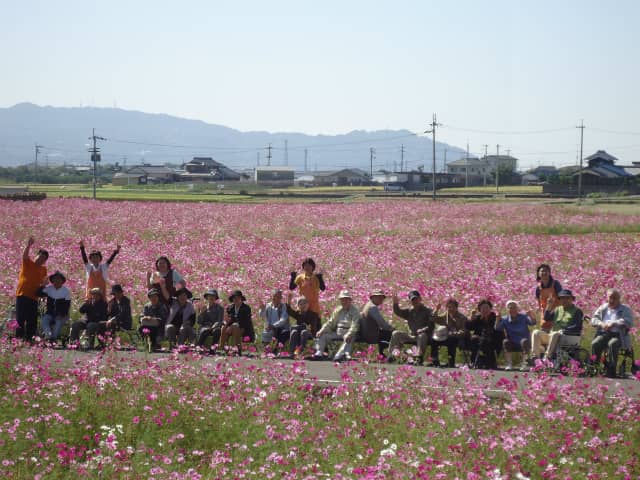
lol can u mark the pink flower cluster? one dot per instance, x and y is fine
(445, 249)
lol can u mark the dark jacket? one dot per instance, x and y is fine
(211, 317)
(121, 312)
(242, 317)
(180, 314)
(56, 307)
(417, 318)
(309, 319)
(95, 312)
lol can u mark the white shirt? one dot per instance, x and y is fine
(62, 293)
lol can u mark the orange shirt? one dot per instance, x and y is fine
(310, 287)
(30, 279)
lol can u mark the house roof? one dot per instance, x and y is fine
(151, 170)
(344, 171)
(128, 175)
(605, 170)
(463, 162)
(601, 154)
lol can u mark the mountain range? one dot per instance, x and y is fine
(131, 137)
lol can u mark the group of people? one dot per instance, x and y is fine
(170, 314)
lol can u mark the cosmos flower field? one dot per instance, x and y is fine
(181, 416)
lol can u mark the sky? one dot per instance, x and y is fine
(518, 74)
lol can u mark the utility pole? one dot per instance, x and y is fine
(402, 158)
(269, 155)
(286, 152)
(306, 153)
(466, 168)
(497, 167)
(434, 125)
(38, 147)
(444, 163)
(487, 164)
(581, 127)
(257, 159)
(372, 153)
(95, 158)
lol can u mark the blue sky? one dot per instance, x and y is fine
(495, 72)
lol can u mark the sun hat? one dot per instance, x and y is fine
(441, 333)
(212, 292)
(566, 293)
(116, 288)
(377, 293)
(184, 290)
(414, 294)
(237, 293)
(344, 294)
(152, 292)
(58, 274)
(509, 302)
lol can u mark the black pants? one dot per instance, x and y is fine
(384, 338)
(205, 333)
(27, 317)
(484, 351)
(451, 343)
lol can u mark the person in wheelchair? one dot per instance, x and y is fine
(613, 321)
(566, 325)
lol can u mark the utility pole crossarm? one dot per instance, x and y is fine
(434, 125)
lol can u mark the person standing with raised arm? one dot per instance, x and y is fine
(96, 271)
(33, 275)
(309, 283)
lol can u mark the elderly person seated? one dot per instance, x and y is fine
(58, 304)
(306, 327)
(420, 322)
(210, 318)
(565, 320)
(449, 332)
(515, 326)
(182, 318)
(276, 320)
(613, 321)
(342, 326)
(374, 329)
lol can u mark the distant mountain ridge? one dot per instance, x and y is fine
(136, 137)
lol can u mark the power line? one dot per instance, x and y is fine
(505, 132)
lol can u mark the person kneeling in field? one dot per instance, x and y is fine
(342, 326)
(238, 323)
(452, 335)
(153, 319)
(58, 303)
(566, 325)
(306, 327)
(95, 311)
(515, 326)
(613, 321)
(210, 318)
(420, 321)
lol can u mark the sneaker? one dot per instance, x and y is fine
(509, 367)
(524, 367)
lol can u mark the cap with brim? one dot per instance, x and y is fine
(237, 293)
(57, 274)
(566, 293)
(212, 292)
(184, 290)
(377, 293)
(512, 302)
(152, 292)
(414, 294)
(95, 290)
(344, 294)
(116, 289)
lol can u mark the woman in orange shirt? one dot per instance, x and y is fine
(310, 284)
(33, 275)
